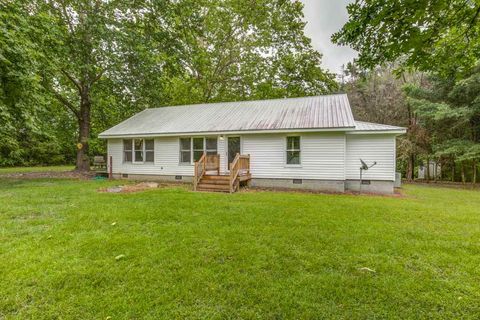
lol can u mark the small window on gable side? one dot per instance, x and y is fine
(293, 150)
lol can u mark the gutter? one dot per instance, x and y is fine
(203, 133)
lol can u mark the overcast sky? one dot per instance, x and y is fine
(325, 17)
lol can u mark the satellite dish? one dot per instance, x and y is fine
(364, 165)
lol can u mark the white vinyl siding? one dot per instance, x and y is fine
(223, 154)
(371, 148)
(322, 156)
(166, 159)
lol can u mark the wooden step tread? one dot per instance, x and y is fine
(212, 190)
(211, 177)
(213, 186)
(214, 181)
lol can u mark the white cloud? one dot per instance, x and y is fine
(325, 17)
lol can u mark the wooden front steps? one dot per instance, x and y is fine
(218, 183)
(203, 180)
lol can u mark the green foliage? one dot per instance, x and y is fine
(64, 63)
(450, 110)
(440, 35)
(25, 138)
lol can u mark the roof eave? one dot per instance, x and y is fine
(203, 133)
(392, 131)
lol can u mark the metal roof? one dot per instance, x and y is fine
(320, 112)
(370, 126)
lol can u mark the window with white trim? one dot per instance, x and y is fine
(149, 150)
(138, 155)
(127, 150)
(293, 150)
(198, 148)
(192, 149)
(185, 150)
(139, 150)
(211, 145)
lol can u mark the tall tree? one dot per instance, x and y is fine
(24, 138)
(102, 61)
(438, 35)
(231, 50)
(451, 111)
(88, 38)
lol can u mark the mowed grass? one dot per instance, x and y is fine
(9, 170)
(250, 255)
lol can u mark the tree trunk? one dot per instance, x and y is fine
(410, 168)
(83, 162)
(427, 172)
(474, 178)
(462, 167)
(453, 171)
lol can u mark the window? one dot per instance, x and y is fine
(211, 146)
(198, 148)
(138, 150)
(127, 150)
(149, 150)
(185, 150)
(192, 149)
(293, 150)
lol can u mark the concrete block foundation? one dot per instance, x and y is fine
(149, 177)
(300, 184)
(370, 186)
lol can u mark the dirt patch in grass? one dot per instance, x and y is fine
(142, 186)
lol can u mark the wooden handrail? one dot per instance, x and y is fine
(199, 171)
(239, 164)
(206, 163)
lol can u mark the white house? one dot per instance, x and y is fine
(307, 143)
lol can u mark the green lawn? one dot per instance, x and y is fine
(250, 255)
(10, 170)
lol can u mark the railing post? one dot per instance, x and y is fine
(110, 171)
(194, 176)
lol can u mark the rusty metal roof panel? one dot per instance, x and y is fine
(319, 112)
